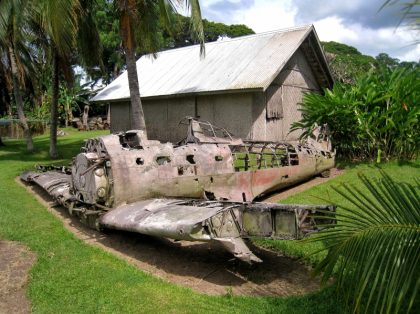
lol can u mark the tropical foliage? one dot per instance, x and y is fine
(17, 60)
(346, 62)
(179, 35)
(42, 39)
(410, 11)
(377, 117)
(139, 21)
(374, 249)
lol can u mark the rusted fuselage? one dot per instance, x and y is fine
(125, 181)
(125, 168)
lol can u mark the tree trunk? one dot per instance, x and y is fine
(19, 101)
(85, 118)
(54, 107)
(136, 108)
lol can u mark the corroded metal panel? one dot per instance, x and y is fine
(245, 63)
(201, 189)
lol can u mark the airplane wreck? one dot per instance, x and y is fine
(200, 189)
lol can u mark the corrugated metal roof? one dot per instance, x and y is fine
(249, 62)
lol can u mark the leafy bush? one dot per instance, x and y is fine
(378, 116)
(374, 249)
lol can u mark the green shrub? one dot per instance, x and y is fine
(377, 117)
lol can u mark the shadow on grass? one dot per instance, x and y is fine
(209, 267)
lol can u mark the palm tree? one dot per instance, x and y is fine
(138, 27)
(410, 11)
(14, 18)
(374, 249)
(68, 25)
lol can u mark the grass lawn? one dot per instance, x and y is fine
(73, 277)
(323, 194)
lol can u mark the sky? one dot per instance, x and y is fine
(353, 22)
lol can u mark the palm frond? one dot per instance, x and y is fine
(374, 249)
(167, 10)
(59, 19)
(197, 27)
(88, 40)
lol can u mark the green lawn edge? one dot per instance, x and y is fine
(71, 276)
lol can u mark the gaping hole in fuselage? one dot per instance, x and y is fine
(209, 195)
(163, 160)
(190, 159)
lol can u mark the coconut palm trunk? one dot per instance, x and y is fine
(18, 100)
(136, 108)
(54, 107)
(138, 28)
(128, 9)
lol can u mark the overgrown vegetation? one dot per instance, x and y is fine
(373, 250)
(388, 216)
(377, 117)
(346, 62)
(47, 40)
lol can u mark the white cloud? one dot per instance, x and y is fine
(411, 55)
(333, 29)
(267, 15)
(396, 42)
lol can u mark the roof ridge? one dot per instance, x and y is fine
(278, 31)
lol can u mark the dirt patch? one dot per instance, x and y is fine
(278, 196)
(15, 262)
(203, 267)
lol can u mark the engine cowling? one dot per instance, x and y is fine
(89, 178)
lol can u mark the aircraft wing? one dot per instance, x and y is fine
(191, 219)
(222, 221)
(55, 183)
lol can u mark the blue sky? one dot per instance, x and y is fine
(354, 22)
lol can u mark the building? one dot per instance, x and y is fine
(250, 85)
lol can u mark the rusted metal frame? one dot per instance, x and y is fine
(261, 146)
(255, 205)
(287, 207)
(288, 156)
(235, 219)
(259, 157)
(249, 145)
(275, 227)
(275, 153)
(208, 222)
(247, 157)
(212, 127)
(45, 168)
(94, 165)
(218, 142)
